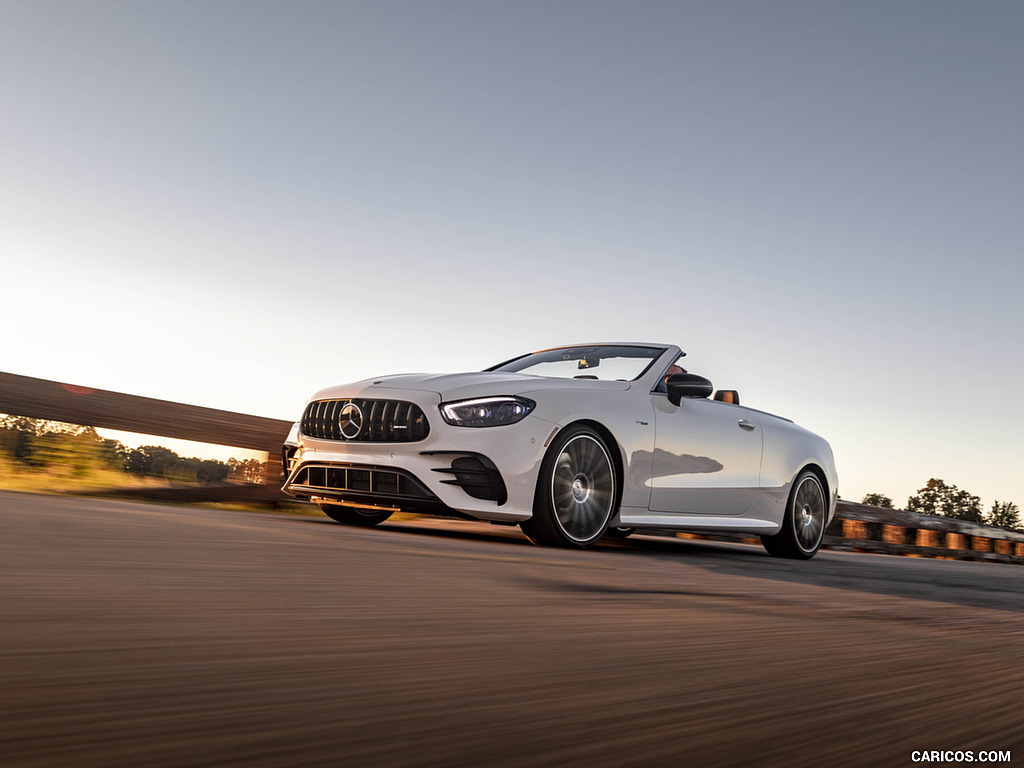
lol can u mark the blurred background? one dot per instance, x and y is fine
(236, 204)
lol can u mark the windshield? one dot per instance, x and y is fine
(605, 363)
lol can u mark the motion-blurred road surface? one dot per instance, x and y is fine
(148, 635)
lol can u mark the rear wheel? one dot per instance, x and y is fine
(576, 491)
(355, 515)
(804, 523)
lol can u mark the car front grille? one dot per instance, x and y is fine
(380, 421)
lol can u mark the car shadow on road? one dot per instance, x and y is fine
(977, 585)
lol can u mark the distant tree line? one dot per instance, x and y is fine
(157, 461)
(37, 444)
(946, 500)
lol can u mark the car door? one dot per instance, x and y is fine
(707, 457)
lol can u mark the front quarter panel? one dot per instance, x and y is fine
(626, 415)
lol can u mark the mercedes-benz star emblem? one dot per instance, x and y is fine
(350, 421)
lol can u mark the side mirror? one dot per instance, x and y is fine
(680, 385)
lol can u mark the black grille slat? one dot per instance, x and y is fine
(387, 420)
(418, 424)
(321, 417)
(375, 431)
(384, 421)
(402, 418)
(333, 420)
(330, 416)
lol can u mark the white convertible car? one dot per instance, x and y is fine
(571, 444)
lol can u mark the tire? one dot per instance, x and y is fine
(804, 523)
(576, 491)
(354, 515)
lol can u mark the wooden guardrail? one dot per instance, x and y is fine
(897, 532)
(43, 399)
(857, 527)
(865, 528)
(56, 401)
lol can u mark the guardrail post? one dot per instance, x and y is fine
(927, 538)
(855, 529)
(894, 534)
(981, 544)
(273, 471)
(1004, 547)
(956, 541)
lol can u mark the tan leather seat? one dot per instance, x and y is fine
(728, 396)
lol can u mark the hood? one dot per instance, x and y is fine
(459, 386)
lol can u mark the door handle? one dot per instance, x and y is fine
(747, 425)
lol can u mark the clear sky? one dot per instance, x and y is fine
(235, 204)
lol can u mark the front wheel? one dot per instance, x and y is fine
(354, 515)
(804, 523)
(576, 491)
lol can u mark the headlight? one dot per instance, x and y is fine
(487, 411)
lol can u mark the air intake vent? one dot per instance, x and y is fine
(377, 421)
(359, 480)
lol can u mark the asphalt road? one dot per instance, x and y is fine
(148, 635)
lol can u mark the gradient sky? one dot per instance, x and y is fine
(235, 204)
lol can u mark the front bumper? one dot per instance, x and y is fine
(485, 473)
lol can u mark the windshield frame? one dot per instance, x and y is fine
(654, 351)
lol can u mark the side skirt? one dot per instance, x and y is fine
(697, 523)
